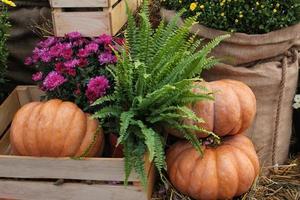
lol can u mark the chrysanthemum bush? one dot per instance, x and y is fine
(74, 68)
(252, 17)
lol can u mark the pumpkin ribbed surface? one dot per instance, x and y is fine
(232, 111)
(223, 172)
(55, 129)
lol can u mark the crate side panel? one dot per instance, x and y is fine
(7, 111)
(5, 147)
(24, 190)
(78, 3)
(87, 23)
(119, 15)
(100, 169)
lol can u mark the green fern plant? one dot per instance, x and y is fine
(154, 79)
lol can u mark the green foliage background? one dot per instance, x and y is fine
(247, 16)
(4, 26)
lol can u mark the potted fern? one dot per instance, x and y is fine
(154, 78)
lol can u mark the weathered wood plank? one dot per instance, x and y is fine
(5, 144)
(101, 169)
(24, 190)
(119, 15)
(78, 3)
(87, 23)
(7, 110)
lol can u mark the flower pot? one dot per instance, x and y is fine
(116, 151)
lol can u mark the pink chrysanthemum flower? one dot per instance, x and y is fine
(92, 47)
(104, 39)
(96, 88)
(74, 35)
(37, 76)
(53, 80)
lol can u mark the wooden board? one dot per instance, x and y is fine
(119, 15)
(48, 191)
(79, 3)
(101, 169)
(7, 111)
(87, 23)
(25, 178)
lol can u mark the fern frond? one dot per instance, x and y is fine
(107, 98)
(108, 111)
(125, 119)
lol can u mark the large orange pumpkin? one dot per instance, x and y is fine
(231, 112)
(223, 172)
(55, 129)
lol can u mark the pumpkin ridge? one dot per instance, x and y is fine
(191, 172)
(77, 113)
(235, 152)
(235, 131)
(36, 112)
(67, 135)
(83, 148)
(52, 127)
(249, 155)
(42, 144)
(177, 169)
(16, 127)
(59, 110)
(25, 132)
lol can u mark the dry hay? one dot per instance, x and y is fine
(282, 183)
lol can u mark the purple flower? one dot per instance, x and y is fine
(45, 57)
(37, 76)
(96, 88)
(107, 58)
(71, 63)
(83, 53)
(28, 61)
(67, 53)
(47, 43)
(104, 39)
(92, 47)
(53, 80)
(74, 35)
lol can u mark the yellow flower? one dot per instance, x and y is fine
(257, 3)
(202, 6)
(193, 6)
(277, 5)
(241, 15)
(236, 20)
(222, 14)
(9, 2)
(275, 11)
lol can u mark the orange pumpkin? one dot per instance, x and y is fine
(223, 172)
(55, 129)
(231, 112)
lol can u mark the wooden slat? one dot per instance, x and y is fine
(101, 169)
(78, 3)
(5, 144)
(7, 110)
(28, 94)
(24, 190)
(113, 2)
(88, 23)
(119, 15)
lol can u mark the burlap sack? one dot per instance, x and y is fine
(274, 83)
(22, 39)
(242, 48)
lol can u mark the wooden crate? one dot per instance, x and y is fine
(34, 177)
(90, 17)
